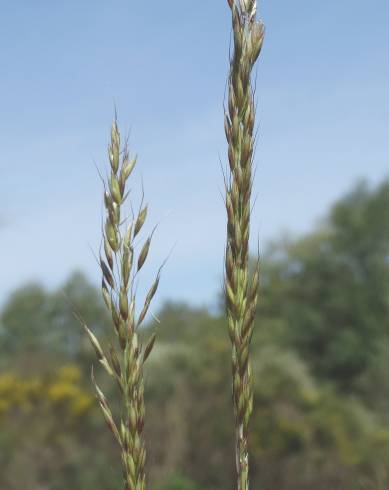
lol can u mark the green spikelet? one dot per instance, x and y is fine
(125, 362)
(240, 291)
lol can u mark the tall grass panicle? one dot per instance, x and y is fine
(120, 268)
(240, 288)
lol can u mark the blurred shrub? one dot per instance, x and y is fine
(61, 392)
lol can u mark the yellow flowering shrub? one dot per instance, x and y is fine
(63, 390)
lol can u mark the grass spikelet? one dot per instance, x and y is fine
(240, 289)
(124, 363)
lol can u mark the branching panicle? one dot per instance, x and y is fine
(240, 289)
(118, 271)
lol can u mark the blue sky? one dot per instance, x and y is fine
(323, 112)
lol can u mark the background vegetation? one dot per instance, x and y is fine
(320, 359)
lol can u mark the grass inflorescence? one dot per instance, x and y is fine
(120, 265)
(241, 289)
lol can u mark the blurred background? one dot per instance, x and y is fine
(321, 344)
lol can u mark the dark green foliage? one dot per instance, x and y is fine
(330, 288)
(24, 318)
(34, 318)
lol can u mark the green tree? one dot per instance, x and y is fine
(330, 288)
(24, 319)
(35, 320)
